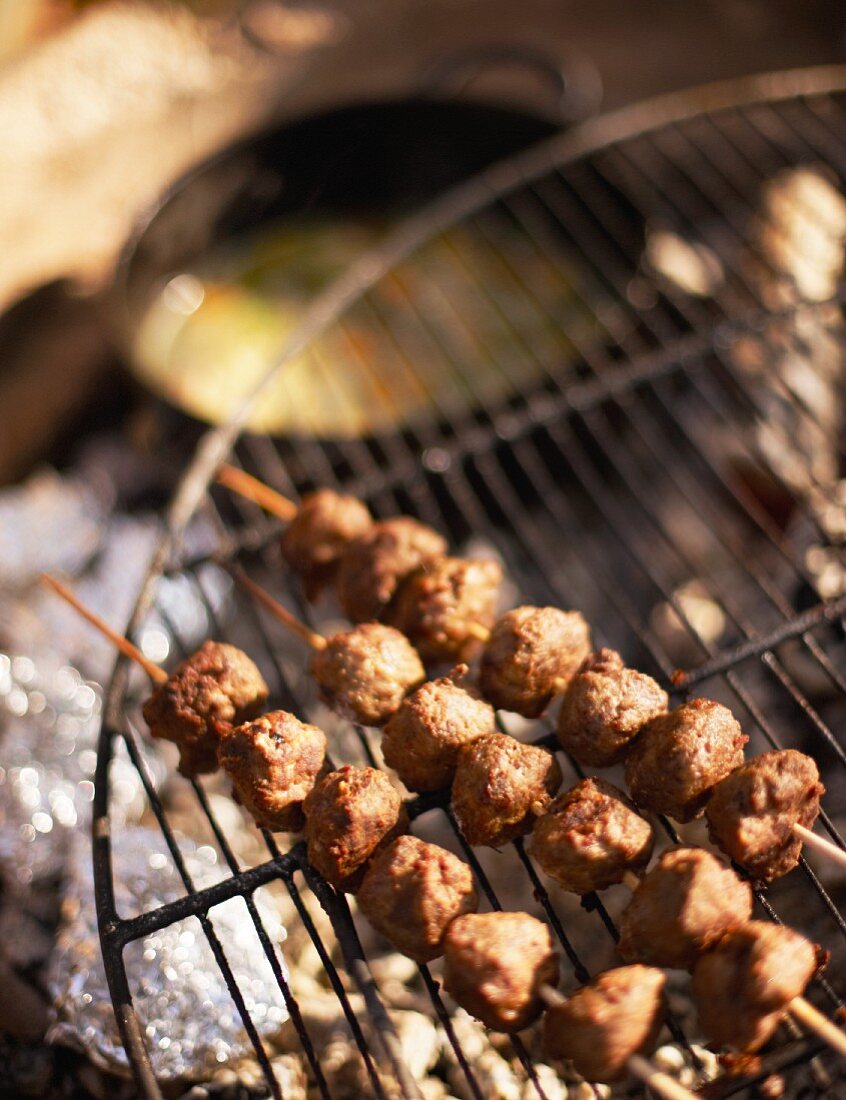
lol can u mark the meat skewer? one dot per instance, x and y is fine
(412, 892)
(500, 787)
(607, 1026)
(605, 707)
(215, 689)
(752, 978)
(374, 565)
(351, 814)
(761, 813)
(682, 905)
(691, 912)
(495, 965)
(447, 605)
(332, 536)
(274, 762)
(156, 673)
(318, 530)
(679, 757)
(363, 673)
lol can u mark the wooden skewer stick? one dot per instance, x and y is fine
(659, 1082)
(310, 637)
(820, 844)
(154, 671)
(801, 1009)
(479, 632)
(816, 1021)
(551, 996)
(631, 881)
(250, 487)
(639, 1067)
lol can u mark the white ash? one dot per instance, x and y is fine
(186, 1011)
(47, 524)
(49, 723)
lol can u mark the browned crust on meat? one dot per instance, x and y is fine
(751, 813)
(599, 1028)
(373, 565)
(500, 787)
(530, 657)
(686, 902)
(273, 762)
(590, 836)
(318, 535)
(439, 606)
(495, 964)
(743, 986)
(351, 814)
(214, 689)
(605, 708)
(365, 673)
(421, 741)
(412, 892)
(679, 757)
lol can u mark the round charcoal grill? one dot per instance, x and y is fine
(659, 458)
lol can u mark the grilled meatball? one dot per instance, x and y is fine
(500, 787)
(679, 757)
(373, 565)
(324, 526)
(273, 763)
(216, 688)
(605, 708)
(683, 905)
(350, 815)
(530, 656)
(590, 836)
(421, 741)
(365, 673)
(495, 964)
(743, 987)
(751, 813)
(412, 892)
(603, 1024)
(441, 604)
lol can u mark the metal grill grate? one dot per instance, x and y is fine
(601, 428)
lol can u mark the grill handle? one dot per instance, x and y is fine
(574, 86)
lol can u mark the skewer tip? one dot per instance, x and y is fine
(245, 485)
(819, 1024)
(660, 1083)
(156, 673)
(825, 848)
(310, 637)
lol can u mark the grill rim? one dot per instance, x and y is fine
(462, 201)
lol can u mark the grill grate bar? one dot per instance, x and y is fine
(337, 986)
(347, 943)
(291, 1004)
(593, 902)
(571, 477)
(446, 1023)
(814, 650)
(130, 740)
(634, 175)
(340, 919)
